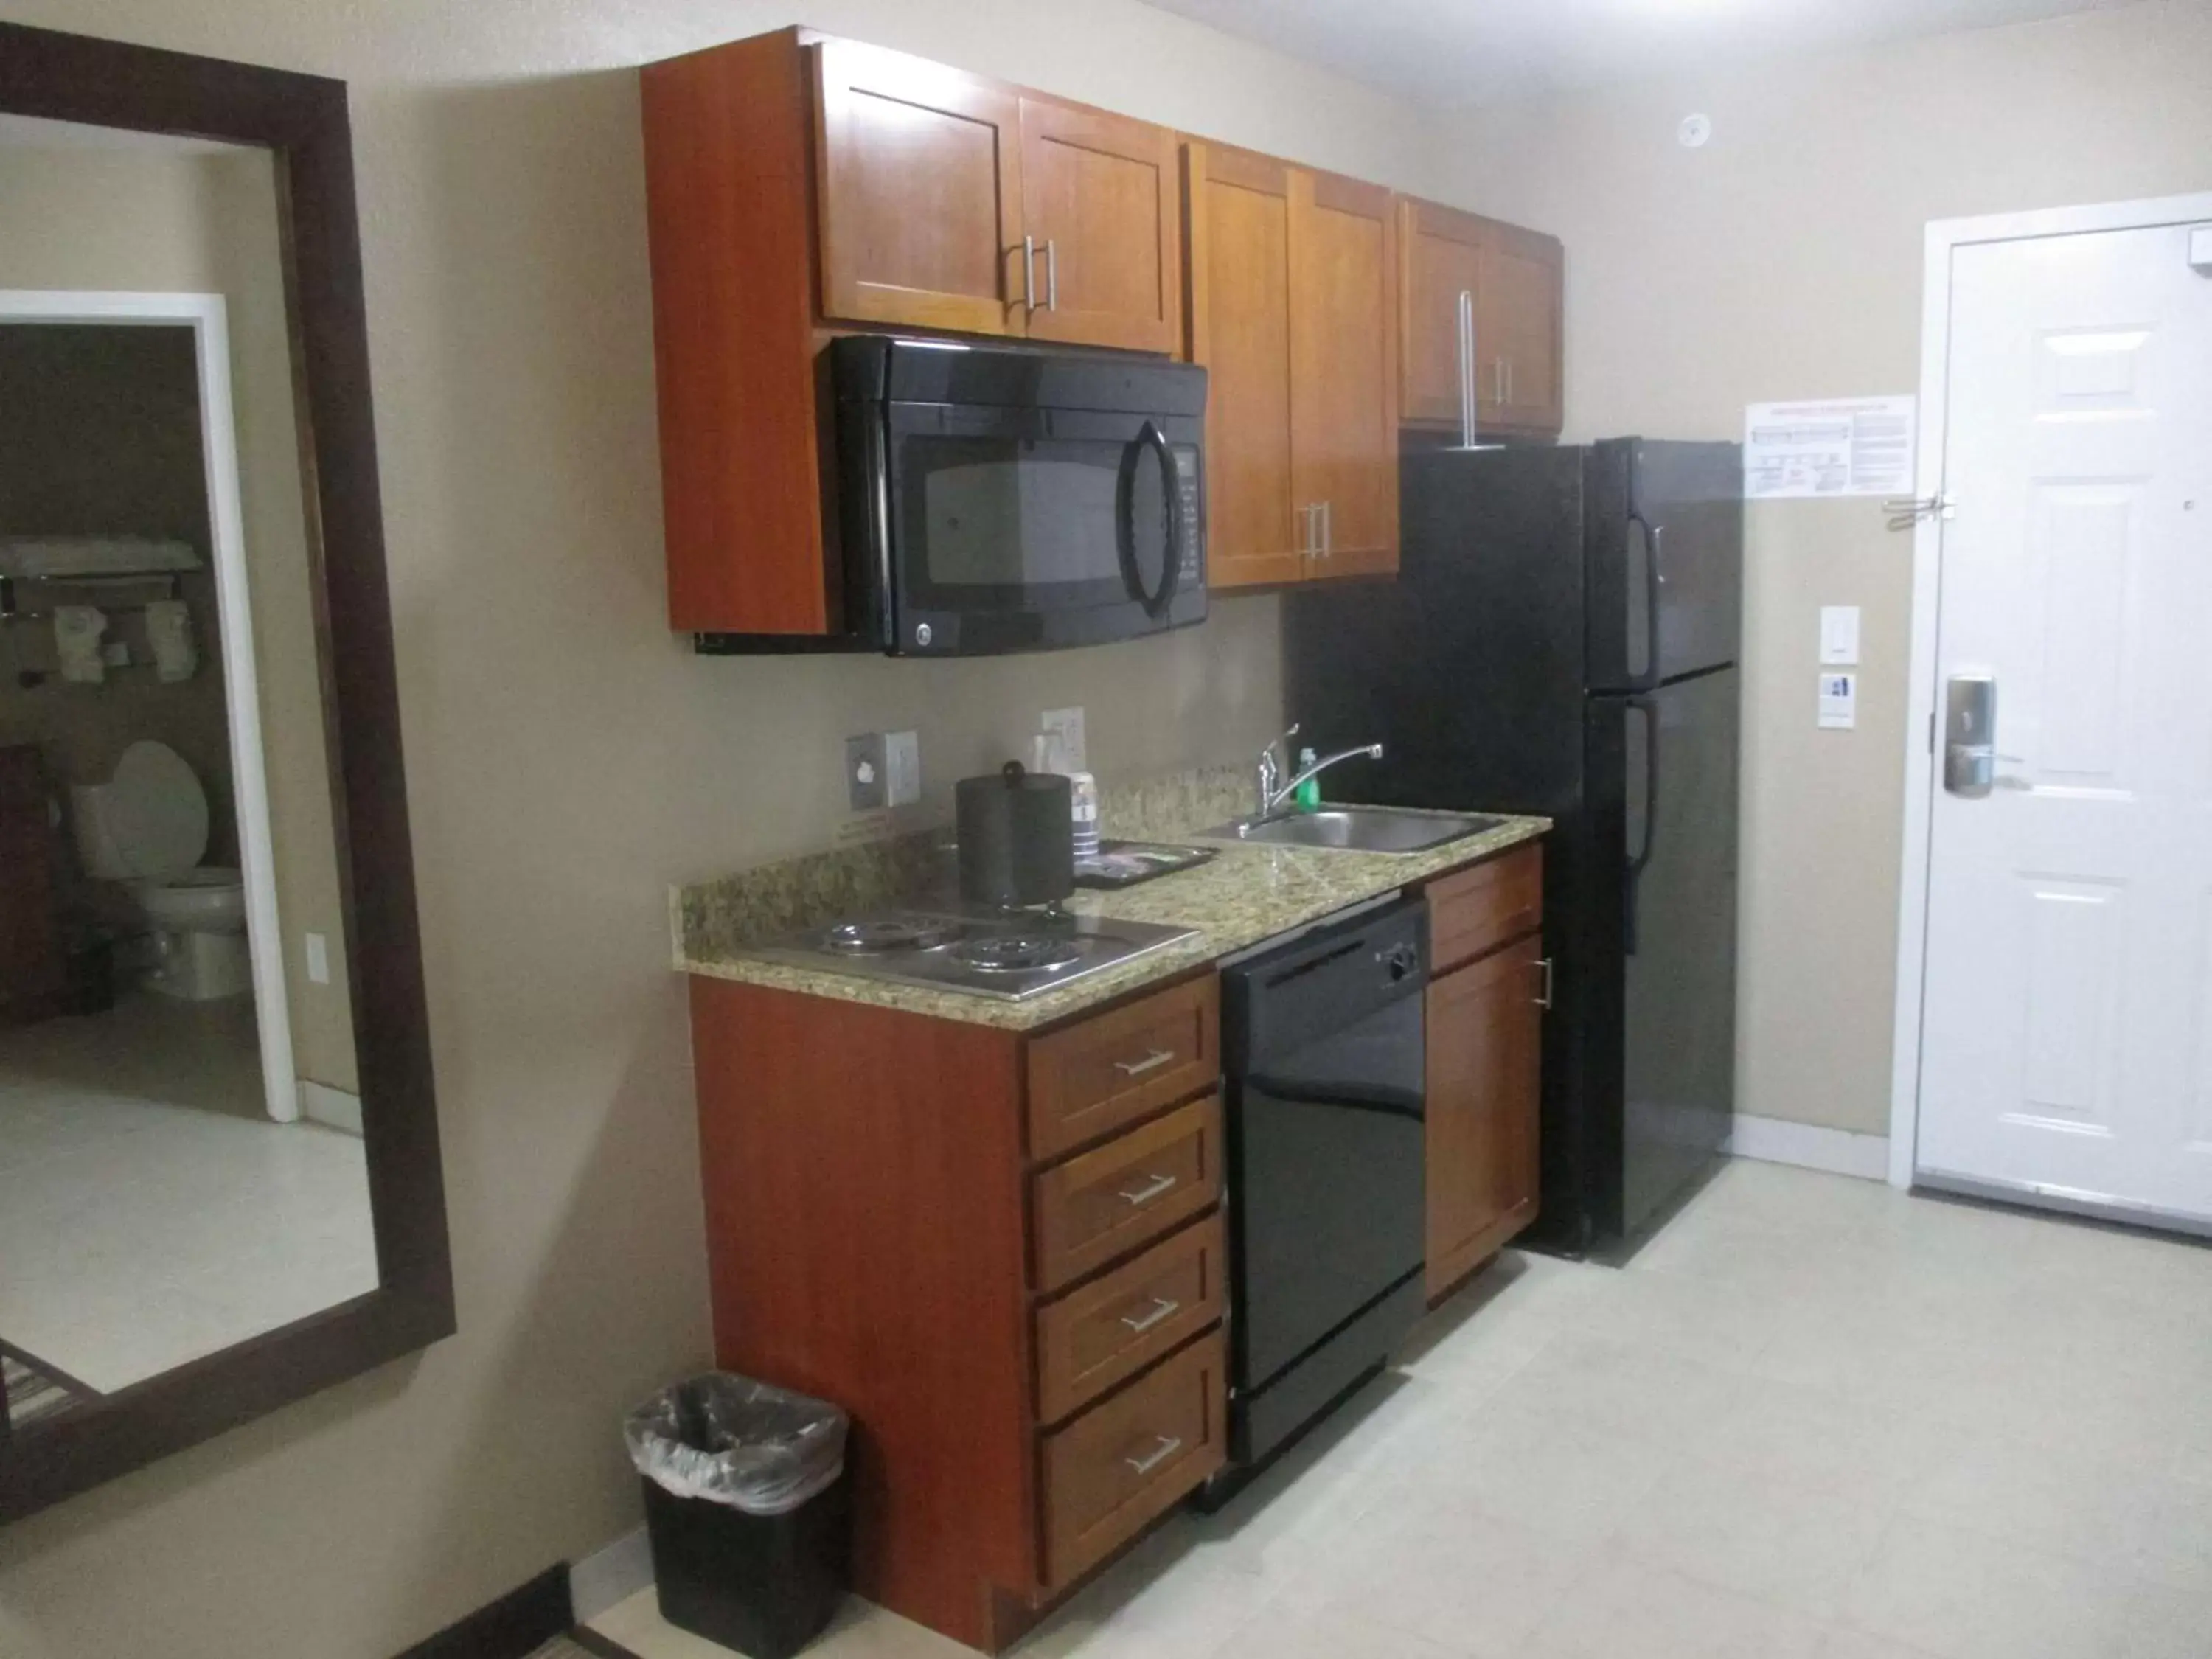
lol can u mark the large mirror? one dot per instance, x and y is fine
(219, 1184)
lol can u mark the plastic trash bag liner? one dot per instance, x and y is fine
(732, 1441)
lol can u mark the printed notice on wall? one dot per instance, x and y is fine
(1843, 447)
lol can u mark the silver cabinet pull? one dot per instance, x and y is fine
(1029, 273)
(1164, 1308)
(1051, 274)
(1328, 528)
(1544, 996)
(1468, 397)
(1151, 1062)
(1509, 380)
(1159, 1187)
(1169, 1445)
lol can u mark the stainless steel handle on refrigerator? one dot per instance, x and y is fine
(1469, 413)
(1970, 735)
(1051, 274)
(1151, 1062)
(1164, 1308)
(1029, 273)
(1169, 1445)
(1544, 966)
(1159, 1187)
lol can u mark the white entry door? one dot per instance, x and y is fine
(2067, 1014)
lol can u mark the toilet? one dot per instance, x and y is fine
(147, 827)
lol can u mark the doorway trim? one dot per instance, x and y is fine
(1943, 238)
(207, 316)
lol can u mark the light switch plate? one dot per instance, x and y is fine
(1839, 635)
(864, 765)
(319, 958)
(902, 767)
(1066, 724)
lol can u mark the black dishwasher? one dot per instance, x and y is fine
(1323, 1049)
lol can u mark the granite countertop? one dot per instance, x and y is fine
(1247, 895)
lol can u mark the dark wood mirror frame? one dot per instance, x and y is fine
(302, 120)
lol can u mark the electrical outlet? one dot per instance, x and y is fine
(1066, 725)
(865, 767)
(902, 768)
(319, 958)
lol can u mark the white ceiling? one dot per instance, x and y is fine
(1466, 51)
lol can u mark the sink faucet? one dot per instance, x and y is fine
(1274, 761)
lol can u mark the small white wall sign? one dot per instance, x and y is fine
(1839, 701)
(1839, 635)
(1841, 446)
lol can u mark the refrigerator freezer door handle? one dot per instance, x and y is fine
(1642, 856)
(1653, 578)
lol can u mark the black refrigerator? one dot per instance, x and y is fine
(1562, 638)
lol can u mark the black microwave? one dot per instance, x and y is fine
(994, 499)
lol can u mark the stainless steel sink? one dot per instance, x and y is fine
(1357, 829)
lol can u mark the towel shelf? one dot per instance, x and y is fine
(12, 608)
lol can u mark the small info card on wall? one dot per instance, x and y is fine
(1839, 446)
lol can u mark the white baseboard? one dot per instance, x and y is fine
(610, 1576)
(1777, 1140)
(334, 1108)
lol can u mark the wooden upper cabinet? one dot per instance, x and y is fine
(1103, 235)
(1515, 278)
(1343, 372)
(1239, 234)
(920, 192)
(1293, 314)
(1520, 328)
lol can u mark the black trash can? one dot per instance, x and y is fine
(747, 1510)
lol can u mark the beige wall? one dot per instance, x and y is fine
(568, 759)
(204, 223)
(1783, 261)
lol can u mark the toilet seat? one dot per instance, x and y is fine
(147, 823)
(207, 899)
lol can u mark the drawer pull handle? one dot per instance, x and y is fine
(1544, 997)
(1170, 1444)
(1163, 1308)
(1151, 1062)
(1159, 1187)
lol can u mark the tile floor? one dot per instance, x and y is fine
(1813, 1419)
(150, 1212)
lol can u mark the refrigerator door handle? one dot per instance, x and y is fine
(1653, 578)
(1642, 857)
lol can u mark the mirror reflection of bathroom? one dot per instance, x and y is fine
(181, 1151)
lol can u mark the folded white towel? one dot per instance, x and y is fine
(78, 628)
(169, 630)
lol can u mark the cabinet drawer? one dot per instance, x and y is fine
(1124, 1195)
(1117, 1325)
(1117, 1467)
(1090, 1080)
(1481, 908)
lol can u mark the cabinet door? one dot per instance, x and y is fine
(1099, 205)
(1343, 372)
(1519, 312)
(1485, 1047)
(920, 192)
(1239, 229)
(1440, 255)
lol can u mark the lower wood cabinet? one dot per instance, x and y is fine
(1001, 1253)
(31, 969)
(1484, 1065)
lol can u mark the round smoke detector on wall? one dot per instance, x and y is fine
(1694, 132)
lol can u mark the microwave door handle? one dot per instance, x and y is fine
(1150, 438)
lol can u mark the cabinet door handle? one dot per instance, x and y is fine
(1509, 380)
(1163, 1308)
(1309, 525)
(1169, 1445)
(1159, 1187)
(1051, 274)
(1328, 528)
(1151, 1062)
(1544, 996)
(1029, 273)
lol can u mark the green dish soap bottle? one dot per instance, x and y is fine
(1307, 795)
